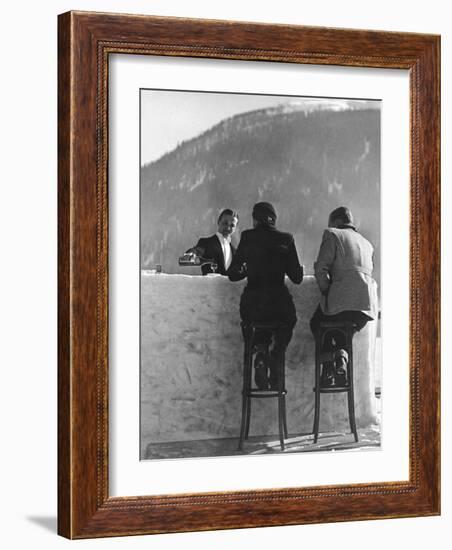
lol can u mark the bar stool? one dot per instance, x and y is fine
(347, 329)
(249, 392)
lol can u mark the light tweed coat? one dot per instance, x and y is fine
(344, 273)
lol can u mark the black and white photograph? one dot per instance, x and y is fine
(260, 274)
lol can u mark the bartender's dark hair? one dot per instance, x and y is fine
(228, 212)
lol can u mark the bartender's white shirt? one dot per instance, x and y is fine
(226, 247)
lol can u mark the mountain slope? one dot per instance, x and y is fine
(306, 161)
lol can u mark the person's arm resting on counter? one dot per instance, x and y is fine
(325, 260)
(237, 269)
(294, 269)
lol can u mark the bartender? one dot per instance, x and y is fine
(216, 252)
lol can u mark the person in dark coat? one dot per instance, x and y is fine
(218, 247)
(265, 256)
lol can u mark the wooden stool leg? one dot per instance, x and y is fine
(248, 418)
(351, 393)
(317, 393)
(351, 413)
(281, 420)
(244, 409)
(286, 433)
(281, 402)
(242, 425)
(283, 389)
(249, 382)
(245, 389)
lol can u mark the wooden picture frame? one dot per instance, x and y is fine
(85, 42)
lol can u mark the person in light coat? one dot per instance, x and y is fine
(343, 271)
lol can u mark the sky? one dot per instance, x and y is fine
(169, 117)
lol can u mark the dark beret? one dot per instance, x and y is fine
(264, 212)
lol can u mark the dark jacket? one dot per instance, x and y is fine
(211, 250)
(265, 255)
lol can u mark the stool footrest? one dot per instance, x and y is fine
(333, 389)
(266, 393)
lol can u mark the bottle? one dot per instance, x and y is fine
(191, 258)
